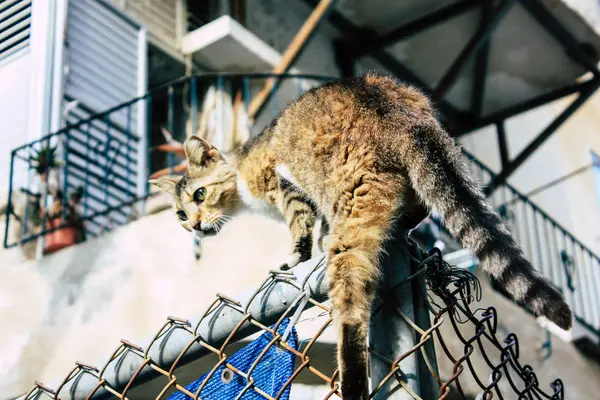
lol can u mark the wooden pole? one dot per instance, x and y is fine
(291, 53)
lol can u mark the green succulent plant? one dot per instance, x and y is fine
(45, 159)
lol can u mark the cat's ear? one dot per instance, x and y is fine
(199, 152)
(166, 183)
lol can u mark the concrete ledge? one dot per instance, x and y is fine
(225, 45)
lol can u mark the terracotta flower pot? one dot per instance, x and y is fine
(60, 238)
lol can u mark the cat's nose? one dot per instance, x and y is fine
(198, 226)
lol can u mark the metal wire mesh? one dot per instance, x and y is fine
(451, 293)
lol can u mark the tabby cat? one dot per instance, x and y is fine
(364, 153)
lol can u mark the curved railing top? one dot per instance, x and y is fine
(177, 81)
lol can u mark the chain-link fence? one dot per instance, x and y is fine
(282, 302)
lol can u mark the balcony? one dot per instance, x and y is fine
(90, 177)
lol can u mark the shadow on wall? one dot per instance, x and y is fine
(78, 303)
(68, 285)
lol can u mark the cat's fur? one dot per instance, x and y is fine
(365, 153)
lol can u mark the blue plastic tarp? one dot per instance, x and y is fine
(270, 375)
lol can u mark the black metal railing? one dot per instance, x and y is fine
(78, 181)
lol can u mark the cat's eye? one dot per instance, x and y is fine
(200, 195)
(182, 215)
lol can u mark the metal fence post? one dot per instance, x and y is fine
(427, 383)
(391, 336)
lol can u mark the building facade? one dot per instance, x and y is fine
(64, 61)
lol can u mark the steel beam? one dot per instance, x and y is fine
(481, 36)
(561, 34)
(508, 170)
(502, 144)
(344, 59)
(414, 27)
(527, 105)
(356, 35)
(481, 65)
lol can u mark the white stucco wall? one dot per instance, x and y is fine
(14, 98)
(26, 90)
(78, 303)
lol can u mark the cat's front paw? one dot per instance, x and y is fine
(290, 262)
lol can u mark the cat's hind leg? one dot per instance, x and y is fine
(362, 222)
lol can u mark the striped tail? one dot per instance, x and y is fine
(441, 179)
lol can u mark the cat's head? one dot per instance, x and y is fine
(207, 195)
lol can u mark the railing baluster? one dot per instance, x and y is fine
(514, 212)
(65, 199)
(107, 121)
(87, 174)
(595, 287)
(128, 145)
(9, 205)
(25, 222)
(565, 265)
(563, 278)
(494, 198)
(148, 143)
(45, 182)
(526, 236)
(247, 92)
(171, 124)
(581, 278)
(570, 248)
(193, 106)
(591, 294)
(538, 245)
(550, 253)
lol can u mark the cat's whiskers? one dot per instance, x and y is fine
(223, 219)
(226, 218)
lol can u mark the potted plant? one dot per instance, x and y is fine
(60, 219)
(66, 222)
